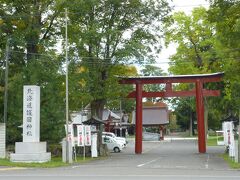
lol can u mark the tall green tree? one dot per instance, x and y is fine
(43, 73)
(225, 15)
(32, 29)
(150, 70)
(105, 33)
(195, 37)
(186, 114)
(31, 26)
(102, 34)
(196, 53)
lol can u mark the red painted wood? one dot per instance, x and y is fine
(172, 79)
(174, 93)
(199, 92)
(200, 117)
(169, 87)
(138, 127)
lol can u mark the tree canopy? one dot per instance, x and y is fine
(207, 43)
(104, 34)
(105, 38)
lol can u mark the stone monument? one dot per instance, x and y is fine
(31, 149)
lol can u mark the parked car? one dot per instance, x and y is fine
(120, 139)
(148, 136)
(112, 144)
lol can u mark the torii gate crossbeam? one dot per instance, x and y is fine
(199, 92)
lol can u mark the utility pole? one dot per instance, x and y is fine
(120, 130)
(6, 82)
(6, 94)
(66, 57)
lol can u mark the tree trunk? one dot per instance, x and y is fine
(97, 107)
(33, 37)
(191, 125)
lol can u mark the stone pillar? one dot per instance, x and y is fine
(31, 149)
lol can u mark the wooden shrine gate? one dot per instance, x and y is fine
(199, 92)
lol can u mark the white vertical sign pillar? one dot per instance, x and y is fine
(31, 149)
(85, 139)
(31, 113)
(80, 135)
(70, 134)
(94, 152)
(87, 135)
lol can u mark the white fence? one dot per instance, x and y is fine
(2, 140)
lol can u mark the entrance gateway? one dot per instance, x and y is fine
(199, 92)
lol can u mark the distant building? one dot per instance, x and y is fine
(154, 115)
(110, 119)
(79, 117)
(116, 122)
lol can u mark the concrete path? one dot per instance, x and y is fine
(175, 159)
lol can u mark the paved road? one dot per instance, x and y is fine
(160, 160)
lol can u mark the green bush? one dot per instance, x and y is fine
(55, 149)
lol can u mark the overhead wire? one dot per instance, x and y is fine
(157, 59)
(107, 59)
(39, 43)
(62, 40)
(169, 60)
(70, 3)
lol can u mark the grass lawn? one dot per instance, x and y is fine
(55, 162)
(231, 162)
(212, 141)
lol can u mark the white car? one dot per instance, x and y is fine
(120, 139)
(112, 144)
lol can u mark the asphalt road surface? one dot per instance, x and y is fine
(166, 160)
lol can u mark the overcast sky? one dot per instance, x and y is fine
(180, 5)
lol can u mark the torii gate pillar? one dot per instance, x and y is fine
(200, 117)
(199, 92)
(138, 127)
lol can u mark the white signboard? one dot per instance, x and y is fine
(31, 113)
(94, 151)
(229, 137)
(87, 135)
(84, 135)
(228, 132)
(80, 135)
(70, 134)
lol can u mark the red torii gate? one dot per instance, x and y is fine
(199, 92)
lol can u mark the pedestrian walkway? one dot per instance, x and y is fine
(5, 168)
(172, 153)
(160, 160)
